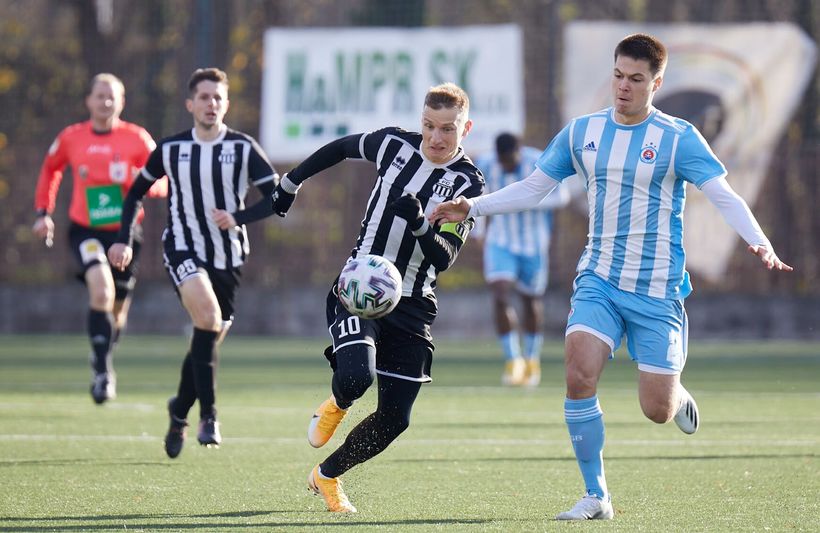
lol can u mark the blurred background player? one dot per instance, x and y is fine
(416, 171)
(632, 278)
(516, 260)
(105, 154)
(210, 168)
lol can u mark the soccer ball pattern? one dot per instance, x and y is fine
(369, 286)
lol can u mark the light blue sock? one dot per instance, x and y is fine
(510, 345)
(585, 422)
(532, 346)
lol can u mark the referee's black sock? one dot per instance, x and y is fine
(100, 329)
(203, 356)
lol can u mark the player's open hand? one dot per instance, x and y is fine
(43, 228)
(223, 219)
(408, 207)
(120, 255)
(769, 258)
(452, 211)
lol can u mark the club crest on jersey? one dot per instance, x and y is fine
(649, 154)
(399, 162)
(443, 190)
(227, 158)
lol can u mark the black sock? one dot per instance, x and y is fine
(375, 433)
(186, 393)
(203, 357)
(100, 329)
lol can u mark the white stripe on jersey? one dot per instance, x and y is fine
(612, 201)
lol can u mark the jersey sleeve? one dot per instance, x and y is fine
(51, 174)
(260, 169)
(694, 160)
(556, 160)
(147, 145)
(154, 167)
(370, 143)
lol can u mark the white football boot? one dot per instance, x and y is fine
(687, 417)
(589, 507)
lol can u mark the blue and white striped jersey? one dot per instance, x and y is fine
(635, 180)
(524, 232)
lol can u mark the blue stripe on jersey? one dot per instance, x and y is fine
(600, 177)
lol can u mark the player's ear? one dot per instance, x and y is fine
(189, 105)
(467, 127)
(657, 83)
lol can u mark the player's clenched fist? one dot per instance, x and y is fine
(284, 195)
(409, 208)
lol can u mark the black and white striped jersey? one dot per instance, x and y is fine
(403, 169)
(202, 176)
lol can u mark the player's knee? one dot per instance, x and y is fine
(658, 412)
(101, 296)
(355, 370)
(393, 423)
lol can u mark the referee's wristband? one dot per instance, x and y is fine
(41, 213)
(422, 230)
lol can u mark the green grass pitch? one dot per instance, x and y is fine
(477, 457)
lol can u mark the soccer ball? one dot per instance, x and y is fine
(369, 286)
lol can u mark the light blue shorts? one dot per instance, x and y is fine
(656, 329)
(529, 272)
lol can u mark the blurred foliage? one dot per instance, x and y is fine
(50, 48)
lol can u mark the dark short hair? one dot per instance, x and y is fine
(211, 74)
(447, 95)
(506, 143)
(643, 46)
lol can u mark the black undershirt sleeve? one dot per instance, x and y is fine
(261, 209)
(130, 207)
(325, 157)
(440, 250)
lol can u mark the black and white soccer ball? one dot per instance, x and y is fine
(369, 286)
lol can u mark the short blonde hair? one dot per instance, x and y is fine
(110, 79)
(448, 95)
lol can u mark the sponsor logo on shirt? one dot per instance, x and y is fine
(399, 162)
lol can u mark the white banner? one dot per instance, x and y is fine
(738, 83)
(321, 84)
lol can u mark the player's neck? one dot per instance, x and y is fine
(208, 133)
(103, 125)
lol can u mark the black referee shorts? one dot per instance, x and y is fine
(90, 247)
(404, 345)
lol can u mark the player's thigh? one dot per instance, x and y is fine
(594, 311)
(657, 333)
(499, 264)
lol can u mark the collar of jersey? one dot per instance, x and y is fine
(222, 131)
(650, 116)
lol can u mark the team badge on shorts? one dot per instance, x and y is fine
(92, 250)
(649, 153)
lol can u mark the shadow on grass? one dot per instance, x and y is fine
(81, 461)
(87, 523)
(544, 459)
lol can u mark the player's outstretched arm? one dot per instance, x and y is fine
(769, 258)
(452, 211)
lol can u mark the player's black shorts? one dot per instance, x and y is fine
(404, 345)
(181, 265)
(90, 246)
